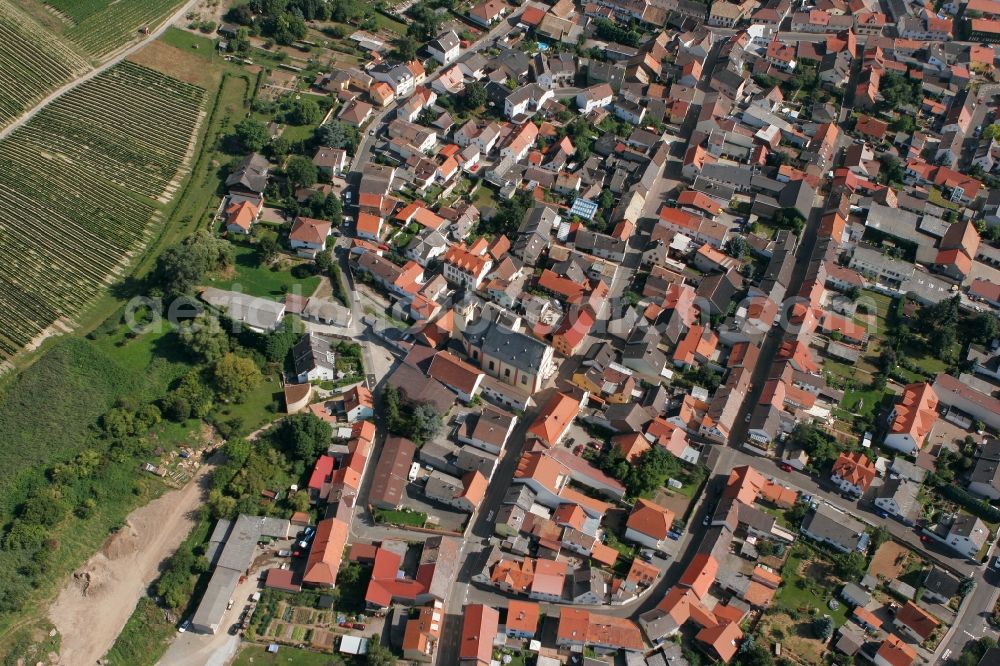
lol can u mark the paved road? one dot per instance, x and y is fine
(971, 621)
(115, 58)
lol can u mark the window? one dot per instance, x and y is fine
(524, 379)
(506, 372)
(492, 365)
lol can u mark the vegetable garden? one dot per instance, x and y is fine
(32, 63)
(101, 26)
(77, 190)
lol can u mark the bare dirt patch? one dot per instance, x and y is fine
(889, 560)
(99, 597)
(180, 64)
(795, 636)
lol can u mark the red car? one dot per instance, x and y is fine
(360, 626)
(785, 467)
(347, 625)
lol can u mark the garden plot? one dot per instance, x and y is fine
(78, 185)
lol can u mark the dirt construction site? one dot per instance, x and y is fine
(98, 599)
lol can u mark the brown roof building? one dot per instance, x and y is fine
(391, 473)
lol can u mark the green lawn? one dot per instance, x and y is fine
(411, 518)
(881, 303)
(936, 198)
(838, 369)
(484, 196)
(862, 402)
(257, 655)
(298, 133)
(258, 409)
(264, 281)
(387, 23)
(189, 41)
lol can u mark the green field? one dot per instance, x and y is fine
(266, 281)
(387, 23)
(45, 415)
(257, 655)
(144, 638)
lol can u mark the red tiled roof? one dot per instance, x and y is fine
(893, 650)
(700, 574)
(650, 519)
(326, 553)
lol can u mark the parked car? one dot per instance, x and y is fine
(184, 626)
(347, 625)
(646, 554)
(785, 467)
(674, 534)
(284, 553)
(360, 626)
(806, 499)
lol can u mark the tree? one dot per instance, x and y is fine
(204, 337)
(280, 146)
(286, 28)
(975, 650)
(180, 267)
(338, 135)
(823, 627)
(966, 586)
(892, 169)
(473, 97)
(303, 111)
(252, 134)
(304, 436)
(301, 172)
(753, 653)
(850, 566)
(879, 536)
(235, 377)
(300, 501)
(983, 328)
(195, 393)
(406, 48)
(240, 44)
(737, 246)
(324, 260)
(378, 654)
(267, 249)
(425, 422)
(220, 505)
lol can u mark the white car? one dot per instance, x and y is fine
(184, 626)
